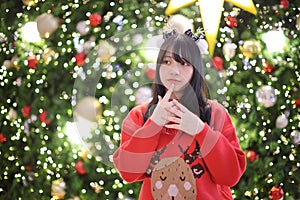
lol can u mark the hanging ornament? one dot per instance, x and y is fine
(95, 19)
(265, 95)
(15, 62)
(281, 121)
(218, 62)
(298, 22)
(229, 49)
(80, 167)
(2, 138)
(12, 114)
(143, 95)
(105, 51)
(7, 64)
(231, 21)
(297, 102)
(180, 23)
(295, 137)
(32, 62)
(58, 189)
(82, 27)
(268, 69)
(43, 117)
(251, 155)
(48, 55)
(150, 72)
(276, 193)
(26, 111)
(96, 187)
(74, 198)
(47, 24)
(211, 14)
(19, 81)
(250, 48)
(80, 58)
(119, 21)
(284, 4)
(28, 2)
(89, 108)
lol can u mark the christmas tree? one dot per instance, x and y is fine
(71, 71)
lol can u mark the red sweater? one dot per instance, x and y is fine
(175, 165)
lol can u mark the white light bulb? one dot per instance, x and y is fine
(275, 41)
(30, 32)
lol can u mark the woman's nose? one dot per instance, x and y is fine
(176, 69)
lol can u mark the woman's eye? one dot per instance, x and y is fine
(186, 64)
(166, 62)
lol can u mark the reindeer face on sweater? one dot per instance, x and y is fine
(173, 179)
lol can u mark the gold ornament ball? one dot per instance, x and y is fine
(46, 24)
(298, 23)
(28, 2)
(105, 51)
(250, 48)
(88, 108)
(12, 114)
(58, 189)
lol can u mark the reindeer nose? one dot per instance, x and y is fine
(172, 190)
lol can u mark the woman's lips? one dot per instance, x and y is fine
(173, 80)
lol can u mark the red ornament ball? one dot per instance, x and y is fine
(218, 62)
(95, 19)
(268, 69)
(297, 102)
(2, 138)
(276, 193)
(32, 62)
(284, 4)
(26, 111)
(43, 117)
(79, 167)
(251, 155)
(231, 21)
(80, 58)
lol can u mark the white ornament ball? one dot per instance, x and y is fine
(12, 114)
(143, 95)
(180, 23)
(295, 137)
(82, 27)
(281, 121)
(265, 95)
(89, 108)
(46, 24)
(229, 49)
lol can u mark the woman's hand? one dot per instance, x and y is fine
(160, 113)
(183, 119)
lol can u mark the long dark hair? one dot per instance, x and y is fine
(195, 96)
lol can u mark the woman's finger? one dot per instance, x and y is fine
(168, 93)
(174, 110)
(179, 105)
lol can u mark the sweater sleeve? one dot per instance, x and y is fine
(220, 149)
(139, 141)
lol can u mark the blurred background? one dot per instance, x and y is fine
(71, 70)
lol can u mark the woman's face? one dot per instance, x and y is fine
(173, 72)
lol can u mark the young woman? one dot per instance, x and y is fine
(182, 145)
